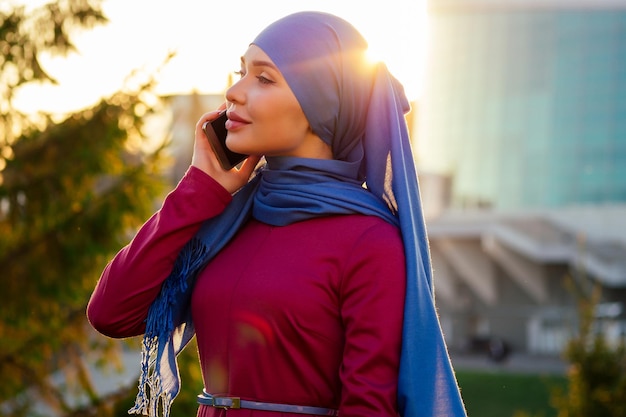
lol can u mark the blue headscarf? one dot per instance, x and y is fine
(358, 109)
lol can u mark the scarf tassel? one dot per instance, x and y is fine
(160, 324)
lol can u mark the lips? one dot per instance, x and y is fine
(235, 121)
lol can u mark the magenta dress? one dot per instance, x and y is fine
(305, 314)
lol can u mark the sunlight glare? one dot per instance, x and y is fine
(209, 38)
(373, 56)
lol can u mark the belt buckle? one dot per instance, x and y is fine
(226, 402)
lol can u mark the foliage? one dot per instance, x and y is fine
(597, 375)
(23, 37)
(71, 193)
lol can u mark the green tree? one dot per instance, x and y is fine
(71, 194)
(596, 381)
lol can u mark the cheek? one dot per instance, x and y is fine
(284, 124)
(289, 130)
(292, 117)
(288, 122)
(279, 125)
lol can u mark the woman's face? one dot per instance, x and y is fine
(265, 117)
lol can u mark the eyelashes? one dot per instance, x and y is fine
(262, 79)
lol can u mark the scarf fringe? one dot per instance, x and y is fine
(151, 392)
(159, 327)
(160, 321)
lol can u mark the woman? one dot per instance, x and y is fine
(294, 281)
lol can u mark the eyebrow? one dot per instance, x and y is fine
(260, 63)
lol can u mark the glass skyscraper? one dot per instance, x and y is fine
(525, 102)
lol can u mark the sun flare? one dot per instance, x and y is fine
(208, 39)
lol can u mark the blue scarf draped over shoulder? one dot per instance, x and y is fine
(358, 109)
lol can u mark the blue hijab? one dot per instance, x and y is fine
(358, 109)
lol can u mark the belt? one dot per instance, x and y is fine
(228, 403)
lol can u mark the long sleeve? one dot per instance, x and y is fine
(372, 311)
(132, 280)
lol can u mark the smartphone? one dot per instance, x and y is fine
(215, 131)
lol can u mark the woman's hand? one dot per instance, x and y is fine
(204, 159)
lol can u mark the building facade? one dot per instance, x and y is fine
(521, 145)
(525, 102)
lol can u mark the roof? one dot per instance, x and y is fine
(592, 236)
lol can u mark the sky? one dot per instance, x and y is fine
(208, 37)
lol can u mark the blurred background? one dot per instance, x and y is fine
(518, 124)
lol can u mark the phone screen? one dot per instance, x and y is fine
(216, 132)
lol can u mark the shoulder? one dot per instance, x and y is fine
(364, 241)
(374, 265)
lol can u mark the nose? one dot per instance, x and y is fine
(236, 93)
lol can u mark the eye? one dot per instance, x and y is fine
(240, 73)
(264, 80)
